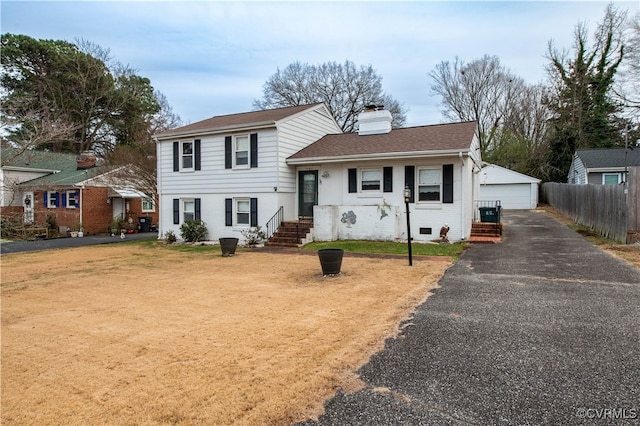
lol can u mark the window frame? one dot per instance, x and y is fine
(235, 151)
(237, 212)
(185, 211)
(616, 174)
(437, 169)
(380, 173)
(149, 200)
(52, 199)
(183, 156)
(71, 195)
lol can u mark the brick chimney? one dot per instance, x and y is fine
(86, 160)
(374, 120)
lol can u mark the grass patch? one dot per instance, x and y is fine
(389, 247)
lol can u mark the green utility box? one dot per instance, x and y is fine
(490, 214)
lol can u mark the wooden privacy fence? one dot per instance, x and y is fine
(607, 209)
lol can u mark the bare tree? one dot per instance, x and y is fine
(482, 91)
(344, 88)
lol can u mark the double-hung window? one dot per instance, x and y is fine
(186, 155)
(52, 199)
(370, 179)
(429, 184)
(241, 150)
(243, 211)
(188, 210)
(72, 201)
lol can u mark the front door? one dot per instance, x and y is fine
(308, 192)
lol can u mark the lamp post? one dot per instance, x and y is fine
(407, 198)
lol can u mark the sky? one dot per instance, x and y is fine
(213, 57)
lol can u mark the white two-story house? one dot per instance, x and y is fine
(238, 171)
(230, 171)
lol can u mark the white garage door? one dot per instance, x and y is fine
(516, 196)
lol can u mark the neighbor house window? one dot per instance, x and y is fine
(242, 150)
(243, 210)
(52, 199)
(148, 205)
(188, 210)
(371, 179)
(187, 156)
(72, 199)
(429, 184)
(611, 178)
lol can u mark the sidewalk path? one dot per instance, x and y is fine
(543, 328)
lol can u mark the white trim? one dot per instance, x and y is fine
(376, 156)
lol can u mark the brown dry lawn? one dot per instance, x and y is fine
(127, 334)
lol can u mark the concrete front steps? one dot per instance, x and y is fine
(290, 234)
(485, 232)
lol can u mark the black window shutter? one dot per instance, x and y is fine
(387, 179)
(45, 199)
(228, 212)
(227, 152)
(353, 180)
(197, 208)
(64, 199)
(176, 156)
(176, 211)
(196, 148)
(409, 180)
(254, 212)
(254, 149)
(57, 199)
(447, 183)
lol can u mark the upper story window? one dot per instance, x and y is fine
(242, 150)
(429, 184)
(187, 156)
(370, 179)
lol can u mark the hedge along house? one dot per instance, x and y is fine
(231, 172)
(353, 184)
(68, 190)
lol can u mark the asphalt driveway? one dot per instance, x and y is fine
(543, 328)
(56, 243)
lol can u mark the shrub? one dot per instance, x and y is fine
(170, 237)
(253, 236)
(193, 231)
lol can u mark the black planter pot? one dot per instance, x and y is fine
(228, 246)
(330, 260)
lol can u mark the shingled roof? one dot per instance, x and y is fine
(245, 119)
(434, 139)
(608, 157)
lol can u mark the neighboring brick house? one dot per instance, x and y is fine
(70, 191)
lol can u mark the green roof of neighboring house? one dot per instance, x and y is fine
(63, 167)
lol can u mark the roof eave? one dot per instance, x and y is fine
(375, 156)
(216, 130)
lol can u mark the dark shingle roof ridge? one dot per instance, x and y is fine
(238, 119)
(302, 106)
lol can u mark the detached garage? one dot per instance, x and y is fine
(514, 190)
